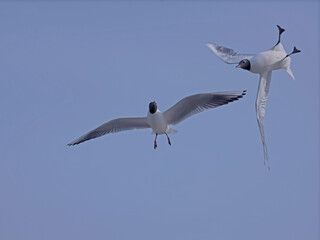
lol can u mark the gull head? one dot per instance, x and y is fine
(244, 64)
(153, 107)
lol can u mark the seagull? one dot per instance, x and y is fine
(160, 122)
(262, 63)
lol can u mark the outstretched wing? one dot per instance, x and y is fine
(197, 103)
(228, 55)
(262, 97)
(113, 126)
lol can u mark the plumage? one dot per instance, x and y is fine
(228, 55)
(262, 97)
(262, 63)
(113, 126)
(198, 103)
(160, 122)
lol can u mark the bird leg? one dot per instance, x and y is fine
(281, 30)
(295, 50)
(155, 141)
(168, 139)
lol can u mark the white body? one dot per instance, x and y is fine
(270, 60)
(158, 123)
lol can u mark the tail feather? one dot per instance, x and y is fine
(171, 131)
(290, 73)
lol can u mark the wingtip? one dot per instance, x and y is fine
(244, 92)
(72, 144)
(241, 95)
(210, 45)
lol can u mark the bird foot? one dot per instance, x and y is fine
(281, 30)
(295, 50)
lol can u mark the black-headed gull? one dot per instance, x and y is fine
(262, 63)
(160, 122)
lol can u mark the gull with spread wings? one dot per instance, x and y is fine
(160, 122)
(262, 63)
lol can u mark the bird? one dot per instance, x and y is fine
(262, 63)
(161, 122)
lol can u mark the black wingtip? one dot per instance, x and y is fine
(72, 144)
(244, 92)
(239, 96)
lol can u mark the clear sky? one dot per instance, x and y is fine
(67, 67)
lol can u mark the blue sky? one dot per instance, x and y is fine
(67, 67)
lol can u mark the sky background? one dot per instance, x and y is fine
(67, 67)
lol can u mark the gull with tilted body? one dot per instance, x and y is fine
(160, 122)
(262, 63)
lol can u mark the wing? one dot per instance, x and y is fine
(197, 103)
(113, 126)
(228, 55)
(262, 97)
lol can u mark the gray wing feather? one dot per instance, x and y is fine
(227, 54)
(113, 126)
(199, 102)
(262, 97)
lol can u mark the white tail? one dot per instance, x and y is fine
(290, 72)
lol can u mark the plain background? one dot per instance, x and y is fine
(67, 67)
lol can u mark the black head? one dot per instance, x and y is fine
(153, 107)
(244, 64)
